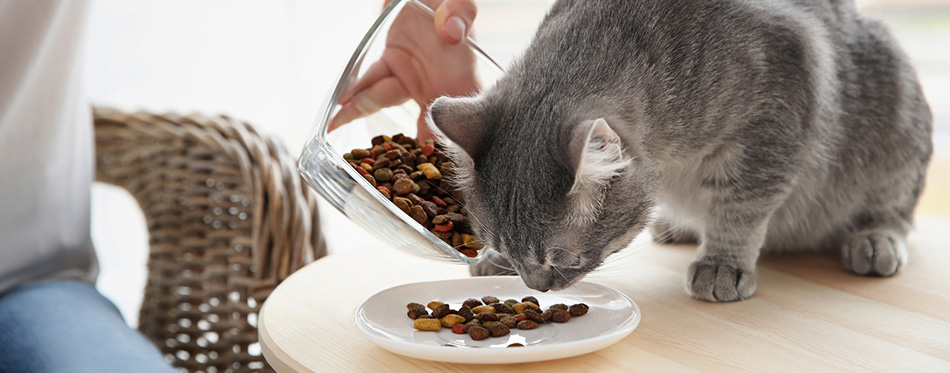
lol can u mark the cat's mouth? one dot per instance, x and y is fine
(550, 280)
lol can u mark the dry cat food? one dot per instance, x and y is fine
(490, 317)
(412, 176)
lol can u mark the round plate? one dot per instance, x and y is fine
(612, 316)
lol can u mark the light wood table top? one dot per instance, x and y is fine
(808, 313)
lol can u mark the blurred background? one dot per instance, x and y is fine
(272, 63)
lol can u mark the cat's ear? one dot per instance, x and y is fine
(597, 156)
(460, 120)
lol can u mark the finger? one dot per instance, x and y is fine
(377, 72)
(385, 93)
(423, 132)
(454, 18)
(386, 3)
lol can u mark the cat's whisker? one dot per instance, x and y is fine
(668, 233)
(571, 285)
(509, 268)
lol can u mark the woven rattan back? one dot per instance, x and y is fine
(228, 219)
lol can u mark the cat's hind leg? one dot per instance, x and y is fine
(874, 252)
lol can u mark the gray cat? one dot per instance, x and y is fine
(747, 125)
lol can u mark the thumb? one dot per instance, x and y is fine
(454, 18)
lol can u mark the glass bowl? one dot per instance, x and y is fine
(322, 164)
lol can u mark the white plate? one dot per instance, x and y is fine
(612, 316)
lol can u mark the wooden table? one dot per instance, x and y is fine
(808, 313)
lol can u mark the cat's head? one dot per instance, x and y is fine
(552, 191)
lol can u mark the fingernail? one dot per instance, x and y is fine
(455, 28)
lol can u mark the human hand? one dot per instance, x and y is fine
(417, 64)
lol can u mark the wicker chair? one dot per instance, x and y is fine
(228, 219)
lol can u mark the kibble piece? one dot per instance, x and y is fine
(371, 180)
(399, 176)
(559, 316)
(472, 302)
(406, 141)
(403, 186)
(458, 329)
(478, 333)
(405, 169)
(441, 311)
(532, 306)
(483, 309)
(489, 324)
(503, 308)
(402, 204)
(451, 320)
(527, 325)
(472, 323)
(430, 208)
(469, 240)
(520, 307)
(467, 313)
(415, 313)
(498, 330)
(429, 170)
(546, 314)
(440, 219)
(559, 306)
(434, 304)
(489, 299)
(384, 191)
(532, 300)
(415, 305)
(428, 325)
(511, 302)
(509, 321)
(418, 214)
(579, 309)
(533, 316)
(359, 153)
(515, 345)
(487, 316)
(381, 163)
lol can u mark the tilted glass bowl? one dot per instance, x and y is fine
(322, 164)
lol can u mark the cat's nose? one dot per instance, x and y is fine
(541, 285)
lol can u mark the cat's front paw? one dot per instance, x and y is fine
(718, 281)
(874, 253)
(494, 264)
